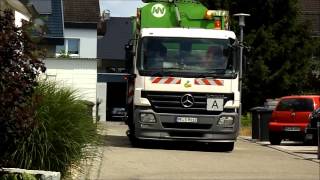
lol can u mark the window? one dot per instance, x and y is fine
(69, 49)
(73, 46)
(186, 56)
(299, 104)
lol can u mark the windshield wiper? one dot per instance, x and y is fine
(205, 75)
(217, 71)
(172, 68)
(159, 74)
(216, 74)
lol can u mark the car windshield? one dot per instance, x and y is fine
(298, 104)
(186, 56)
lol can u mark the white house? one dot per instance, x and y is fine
(71, 43)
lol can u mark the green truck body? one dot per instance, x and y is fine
(182, 13)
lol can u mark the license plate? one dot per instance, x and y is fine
(214, 104)
(187, 120)
(292, 129)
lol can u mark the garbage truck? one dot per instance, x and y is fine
(184, 75)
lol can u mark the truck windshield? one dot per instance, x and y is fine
(186, 57)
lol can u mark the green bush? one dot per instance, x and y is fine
(246, 120)
(64, 129)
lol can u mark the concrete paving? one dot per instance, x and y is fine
(249, 160)
(306, 152)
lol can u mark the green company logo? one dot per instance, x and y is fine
(187, 84)
(158, 10)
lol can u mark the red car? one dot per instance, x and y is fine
(291, 117)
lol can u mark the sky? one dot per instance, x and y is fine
(121, 8)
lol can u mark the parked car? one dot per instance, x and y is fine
(290, 118)
(312, 130)
(119, 113)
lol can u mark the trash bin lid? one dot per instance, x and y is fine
(261, 109)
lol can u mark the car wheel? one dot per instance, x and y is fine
(274, 138)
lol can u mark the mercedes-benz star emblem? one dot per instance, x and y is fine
(187, 100)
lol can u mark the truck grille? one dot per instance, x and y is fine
(186, 126)
(170, 102)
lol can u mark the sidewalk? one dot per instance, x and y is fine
(90, 168)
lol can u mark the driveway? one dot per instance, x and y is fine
(249, 160)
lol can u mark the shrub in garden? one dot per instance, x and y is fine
(13, 176)
(64, 129)
(19, 68)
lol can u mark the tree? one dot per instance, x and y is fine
(281, 57)
(19, 68)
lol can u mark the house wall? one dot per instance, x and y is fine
(79, 74)
(102, 96)
(19, 17)
(88, 41)
(310, 10)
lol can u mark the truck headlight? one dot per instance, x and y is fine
(147, 118)
(226, 121)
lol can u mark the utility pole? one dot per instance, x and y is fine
(241, 24)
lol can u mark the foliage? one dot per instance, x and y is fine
(19, 69)
(64, 128)
(282, 47)
(246, 120)
(63, 54)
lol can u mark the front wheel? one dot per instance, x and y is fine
(274, 138)
(135, 142)
(228, 146)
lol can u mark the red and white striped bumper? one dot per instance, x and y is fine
(165, 80)
(205, 81)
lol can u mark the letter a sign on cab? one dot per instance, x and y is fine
(158, 10)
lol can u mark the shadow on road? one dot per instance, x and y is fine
(115, 141)
(123, 141)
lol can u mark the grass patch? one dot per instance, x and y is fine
(246, 125)
(64, 129)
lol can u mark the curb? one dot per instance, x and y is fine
(46, 175)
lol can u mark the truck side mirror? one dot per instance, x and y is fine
(129, 57)
(128, 48)
(233, 42)
(246, 63)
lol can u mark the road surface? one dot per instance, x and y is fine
(252, 161)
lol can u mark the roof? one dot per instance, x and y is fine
(42, 6)
(58, 14)
(17, 5)
(51, 15)
(81, 11)
(119, 32)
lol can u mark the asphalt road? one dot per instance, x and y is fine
(249, 160)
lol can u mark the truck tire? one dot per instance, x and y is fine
(135, 142)
(274, 138)
(228, 146)
(222, 146)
